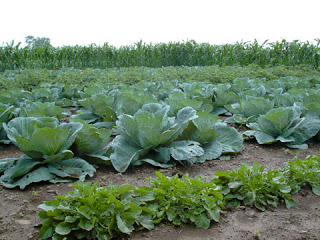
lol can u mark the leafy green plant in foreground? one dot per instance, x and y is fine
(93, 212)
(184, 200)
(250, 185)
(304, 172)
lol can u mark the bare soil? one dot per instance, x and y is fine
(19, 209)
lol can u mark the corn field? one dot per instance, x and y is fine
(187, 53)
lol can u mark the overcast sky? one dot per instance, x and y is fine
(124, 22)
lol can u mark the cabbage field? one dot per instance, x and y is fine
(70, 123)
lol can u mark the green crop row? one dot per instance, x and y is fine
(93, 212)
(187, 53)
(29, 78)
(163, 124)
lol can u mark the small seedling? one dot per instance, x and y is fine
(257, 235)
(35, 194)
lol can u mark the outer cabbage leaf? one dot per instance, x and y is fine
(182, 151)
(37, 175)
(212, 150)
(126, 152)
(5, 163)
(229, 138)
(6, 114)
(73, 168)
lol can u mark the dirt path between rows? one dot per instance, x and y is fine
(19, 209)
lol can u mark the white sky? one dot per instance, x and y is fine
(124, 22)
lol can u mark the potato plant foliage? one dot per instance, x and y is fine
(93, 212)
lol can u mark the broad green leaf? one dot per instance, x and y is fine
(316, 189)
(92, 141)
(264, 138)
(229, 138)
(158, 164)
(214, 214)
(224, 98)
(201, 129)
(86, 224)
(70, 219)
(22, 166)
(73, 167)
(298, 146)
(184, 116)
(285, 139)
(49, 206)
(202, 221)
(5, 163)
(184, 150)
(86, 117)
(306, 129)
(73, 128)
(212, 150)
(261, 137)
(225, 158)
(130, 103)
(235, 184)
(122, 225)
(128, 126)
(27, 147)
(46, 230)
(85, 210)
(6, 115)
(278, 120)
(146, 222)
(64, 155)
(179, 100)
(125, 153)
(289, 203)
(285, 188)
(250, 198)
(63, 228)
(255, 106)
(37, 175)
(32, 113)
